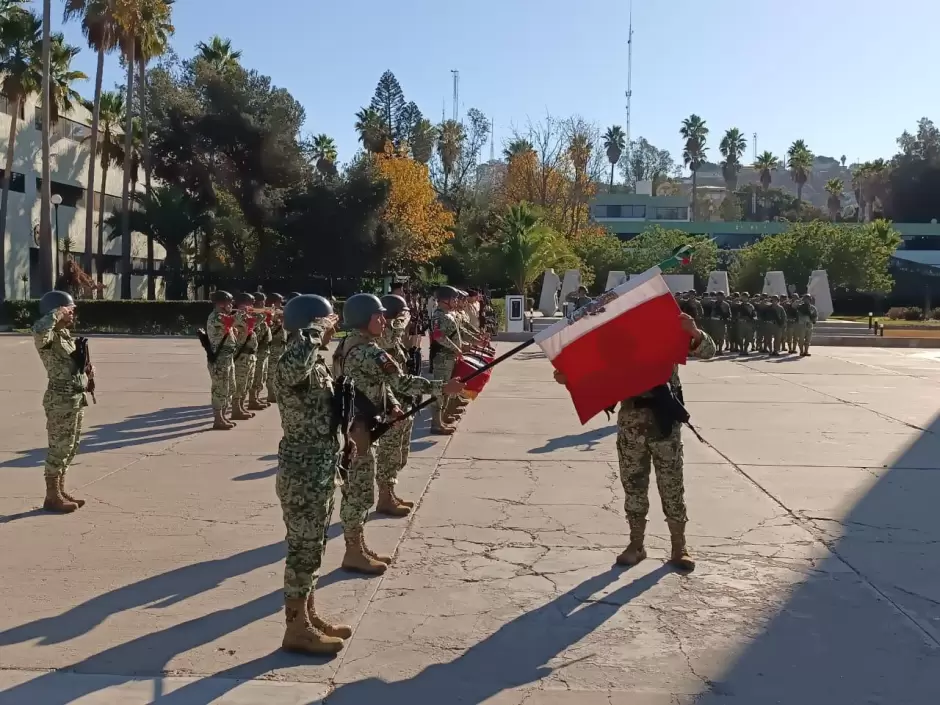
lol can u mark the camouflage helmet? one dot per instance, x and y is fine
(244, 298)
(220, 297)
(275, 299)
(301, 311)
(394, 305)
(359, 310)
(54, 299)
(259, 298)
(446, 293)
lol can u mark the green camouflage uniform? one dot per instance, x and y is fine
(746, 326)
(245, 348)
(806, 320)
(306, 458)
(275, 350)
(263, 336)
(445, 330)
(222, 371)
(64, 399)
(379, 378)
(639, 441)
(393, 448)
(778, 322)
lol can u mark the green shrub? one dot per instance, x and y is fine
(499, 305)
(914, 313)
(896, 313)
(134, 317)
(935, 314)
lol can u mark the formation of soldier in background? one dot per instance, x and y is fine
(761, 323)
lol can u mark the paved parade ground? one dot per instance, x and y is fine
(814, 517)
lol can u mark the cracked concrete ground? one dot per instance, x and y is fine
(813, 518)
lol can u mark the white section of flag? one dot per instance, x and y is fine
(632, 293)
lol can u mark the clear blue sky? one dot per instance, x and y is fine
(846, 76)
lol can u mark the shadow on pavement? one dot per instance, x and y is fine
(864, 625)
(155, 426)
(588, 439)
(259, 475)
(156, 592)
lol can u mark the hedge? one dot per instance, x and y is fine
(137, 317)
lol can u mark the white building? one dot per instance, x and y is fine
(70, 154)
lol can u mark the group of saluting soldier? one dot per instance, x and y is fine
(762, 323)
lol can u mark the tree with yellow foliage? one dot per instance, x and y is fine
(419, 226)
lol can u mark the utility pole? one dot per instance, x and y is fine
(755, 147)
(629, 78)
(456, 75)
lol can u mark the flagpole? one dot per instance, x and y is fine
(680, 256)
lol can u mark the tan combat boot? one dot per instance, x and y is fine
(220, 424)
(340, 631)
(239, 412)
(356, 558)
(254, 403)
(380, 557)
(388, 503)
(66, 495)
(403, 502)
(438, 426)
(54, 501)
(680, 557)
(635, 551)
(301, 636)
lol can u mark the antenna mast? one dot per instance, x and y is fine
(755, 147)
(492, 140)
(629, 76)
(456, 74)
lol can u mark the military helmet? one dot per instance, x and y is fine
(275, 298)
(220, 297)
(394, 305)
(244, 298)
(54, 299)
(302, 310)
(259, 298)
(446, 293)
(359, 310)
(293, 295)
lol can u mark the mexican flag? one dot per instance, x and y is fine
(620, 345)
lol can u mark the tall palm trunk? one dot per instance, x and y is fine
(90, 200)
(100, 265)
(145, 148)
(5, 197)
(45, 200)
(694, 194)
(612, 177)
(125, 190)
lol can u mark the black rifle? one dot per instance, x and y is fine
(668, 407)
(81, 356)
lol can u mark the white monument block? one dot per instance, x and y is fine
(615, 279)
(718, 281)
(775, 283)
(570, 284)
(679, 282)
(515, 314)
(548, 302)
(818, 288)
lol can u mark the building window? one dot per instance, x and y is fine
(72, 196)
(17, 181)
(619, 211)
(65, 129)
(671, 214)
(6, 106)
(634, 211)
(111, 204)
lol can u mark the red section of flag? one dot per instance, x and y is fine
(626, 356)
(466, 365)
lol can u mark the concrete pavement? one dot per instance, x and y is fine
(813, 519)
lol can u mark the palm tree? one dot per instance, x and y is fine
(153, 40)
(64, 96)
(45, 198)
(518, 147)
(423, 139)
(450, 146)
(526, 247)
(20, 37)
(219, 54)
(766, 164)
(371, 129)
(109, 151)
(732, 148)
(834, 189)
(870, 182)
(695, 133)
(171, 218)
(615, 144)
(800, 163)
(100, 30)
(324, 152)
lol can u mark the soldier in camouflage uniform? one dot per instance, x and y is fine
(278, 341)
(64, 399)
(381, 380)
(746, 319)
(807, 315)
(393, 447)
(778, 322)
(793, 332)
(641, 440)
(307, 470)
(263, 336)
(246, 347)
(446, 332)
(222, 368)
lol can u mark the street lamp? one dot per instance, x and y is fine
(57, 201)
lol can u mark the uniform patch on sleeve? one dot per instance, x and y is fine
(387, 364)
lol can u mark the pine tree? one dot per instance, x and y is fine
(389, 102)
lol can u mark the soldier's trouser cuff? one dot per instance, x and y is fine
(635, 517)
(53, 472)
